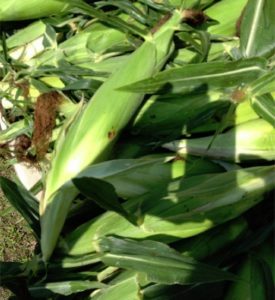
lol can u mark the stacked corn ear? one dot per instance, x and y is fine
(160, 179)
(105, 120)
(183, 208)
(252, 140)
(18, 10)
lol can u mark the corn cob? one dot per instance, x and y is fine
(16, 10)
(191, 206)
(252, 140)
(93, 133)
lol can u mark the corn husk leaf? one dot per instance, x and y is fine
(212, 74)
(73, 153)
(65, 288)
(257, 281)
(213, 291)
(226, 13)
(13, 131)
(26, 35)
(102, 193)
(135, 177)
(68, 262)
(175, 115)
(258, 29)
(251, 140)
(264, 107)
(212, 241)
(159, 262)
(180, 209)
(112, 20)
(96, 43)
(123, 290)
(16, 10)
(263, 85)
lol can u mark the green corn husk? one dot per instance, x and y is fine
(175, 115)
(16, 10)
(124, 289)
(243, 113)
(226, 13)
(93, 45)
(93, 133)
(212, 241)
(13, 131)
(178, 210)
(135, 177)
(248, 141)
(256, 272)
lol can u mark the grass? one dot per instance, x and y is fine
(16, 240)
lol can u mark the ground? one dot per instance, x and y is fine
(16, 240)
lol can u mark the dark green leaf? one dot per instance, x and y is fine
(161, 263)
(108, 19)
(12, 270)
(212, 241)
(257, 283)
(198, 40)
(23, 201)
(212, 74)
(213, 291)
(83, 84)
(102, 193)
(129, 8)
(251, 240)
(258, 29)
